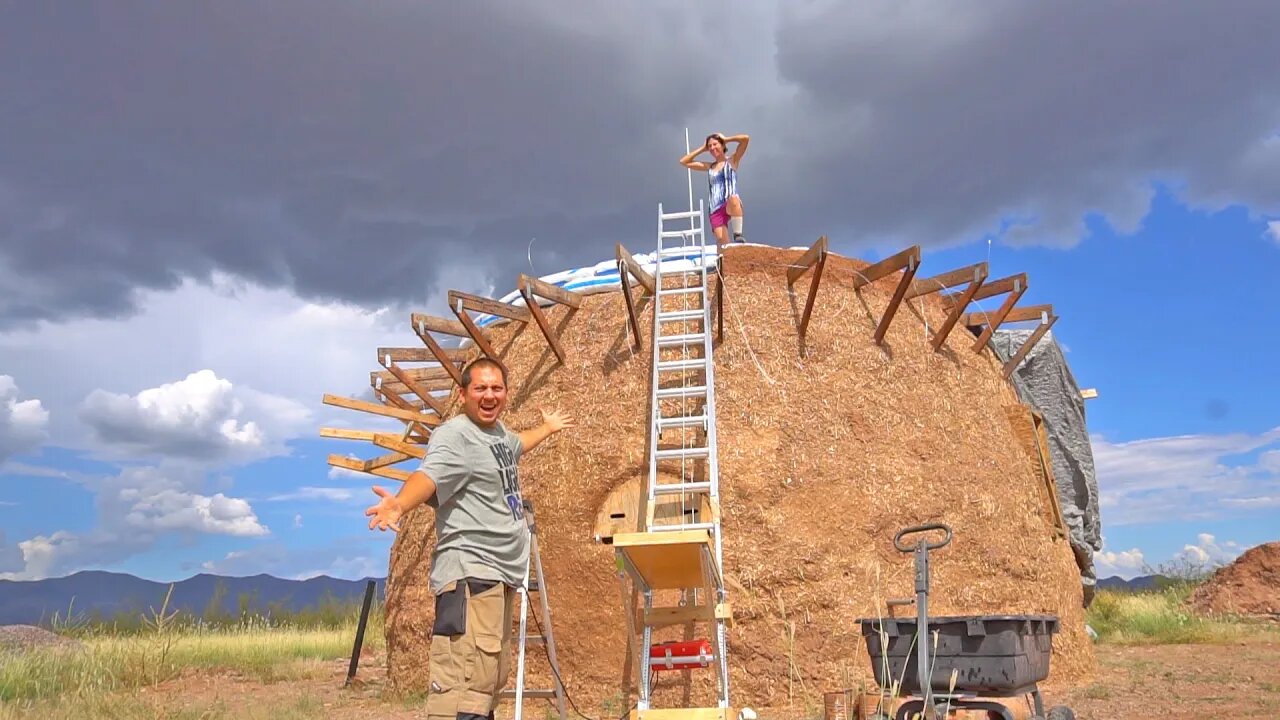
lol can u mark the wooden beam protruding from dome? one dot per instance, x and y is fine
(531, 288)
(816, 258)
(460, 303)
(629, 268)
(424, 325)
(1015, 285)
(907, 261)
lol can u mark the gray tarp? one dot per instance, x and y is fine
(1044, 381)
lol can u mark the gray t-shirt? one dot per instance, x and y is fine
(480, 528)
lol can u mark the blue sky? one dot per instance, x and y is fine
(202, 232)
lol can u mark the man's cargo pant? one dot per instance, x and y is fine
(470, 649)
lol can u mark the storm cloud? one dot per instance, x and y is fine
(365, 152)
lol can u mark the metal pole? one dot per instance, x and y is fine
(364, 619)
(689, 173)
(922, 626)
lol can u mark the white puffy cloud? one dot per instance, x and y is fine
(197, 416)
(136, 509)
(1208, 552)
(280, 353)
(1191, 477)
(23, 423)
(1273, 229)
(1127, 564)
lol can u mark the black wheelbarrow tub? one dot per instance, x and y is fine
(992, 655)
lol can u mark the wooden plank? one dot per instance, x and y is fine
(907, 259)
(541, 319)
(395, 400)
(629, 265)
(667, 559)
(954, 316)
(441, 355)
(1030, 312)
(1012, 283)
(904, 284)
(488, 306)
(1089, 393)
(1046, 462)
(632, 320)
(666, 616)
(423, 394)
(346, 434)
(419, 374)
(358, 466)
(951, 278)
(544, 289)
(707, 713)
(478, 336)
(1003, 311)
(379, 409)
(421, 354)
(430, 323)
(1012, 365)
(816, 253)
(1023, 422)
(392, 442)
(815, 257)
(382, 461)
(396, 386)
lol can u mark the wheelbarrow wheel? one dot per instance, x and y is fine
(1060, 712)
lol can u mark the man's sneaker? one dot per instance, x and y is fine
(738, 239)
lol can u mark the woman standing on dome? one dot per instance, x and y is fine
(722, 183)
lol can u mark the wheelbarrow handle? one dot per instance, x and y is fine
(897, 539)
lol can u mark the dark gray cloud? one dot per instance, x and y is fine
(944, 122)
(362, 151)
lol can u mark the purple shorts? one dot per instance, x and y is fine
(720, 217)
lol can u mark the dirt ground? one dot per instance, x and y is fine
(1166, 682)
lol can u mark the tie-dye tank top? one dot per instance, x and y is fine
(722, 184)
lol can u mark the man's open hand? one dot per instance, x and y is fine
(386, 514)
(556, 421)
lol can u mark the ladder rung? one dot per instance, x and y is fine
(689, 453)
(675, 488)
(688, 290)
(535, 694)
(681, 315)
(681, 421)
(694, 364)
(682, 392)
(685, 526)
(680, 233)
(695, 250)
(677, 340)
(682, 215)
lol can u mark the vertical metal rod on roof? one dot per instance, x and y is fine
(689, 172)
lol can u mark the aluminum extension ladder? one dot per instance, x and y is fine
(545, 637)
(685, 554)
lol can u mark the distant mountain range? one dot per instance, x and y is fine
(106, 595)
(1146, 582)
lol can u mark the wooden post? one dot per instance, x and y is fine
(627, 268)
(1043, 328)
(531, 289)
(364, 619)
(424, 325)
(815, 257)
(980, 274)
(908, 261)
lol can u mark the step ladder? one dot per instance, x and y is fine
(681, 549)
(535, 582)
